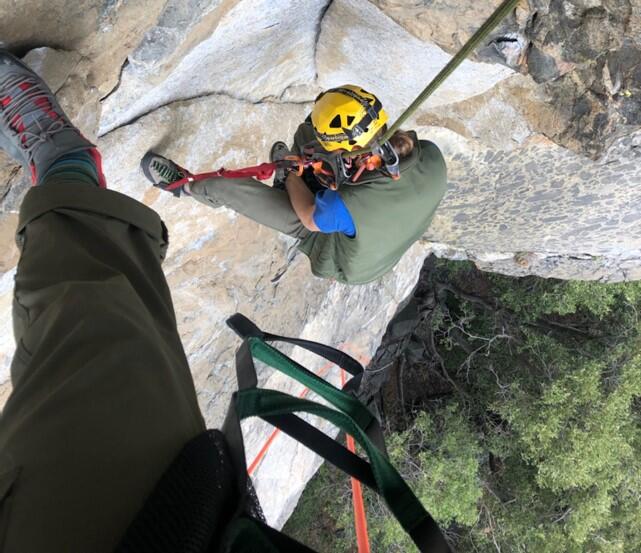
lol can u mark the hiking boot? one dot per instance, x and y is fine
(162, 172)
(278, 152)
(33, 128)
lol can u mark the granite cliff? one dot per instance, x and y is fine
(540, 130)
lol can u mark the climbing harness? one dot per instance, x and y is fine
(332, 170)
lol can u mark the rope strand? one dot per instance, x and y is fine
(499, 14)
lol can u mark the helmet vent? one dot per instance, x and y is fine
(336, 123)
(350, 120)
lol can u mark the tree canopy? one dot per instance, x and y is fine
(516, 419)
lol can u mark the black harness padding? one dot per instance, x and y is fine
(245, 328)
(191, 505)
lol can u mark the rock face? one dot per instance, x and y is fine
(447, 23)
(542, 193)
(589, 55)
(342, 56)
(585, 54)
(102, 31)
(252, 58)
(317, 39)
(214, 83)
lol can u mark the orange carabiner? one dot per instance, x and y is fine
(299, 163)
(318, 168)
(369, 163)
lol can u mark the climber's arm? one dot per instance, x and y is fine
(302, 200)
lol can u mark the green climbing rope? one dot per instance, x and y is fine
(500, 13)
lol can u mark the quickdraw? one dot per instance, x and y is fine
(263, 171)
(331, 170)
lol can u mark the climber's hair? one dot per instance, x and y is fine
(403, 143)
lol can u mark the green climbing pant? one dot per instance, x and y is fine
(102, 398)
(261, 203)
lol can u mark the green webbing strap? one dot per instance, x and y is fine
(407, 509)
(350, 415)
(339, 399)
(245, 328)
(500, 13)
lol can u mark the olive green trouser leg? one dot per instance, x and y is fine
(261, 203)
(103, 399)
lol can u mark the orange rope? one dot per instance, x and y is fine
(263, 450)
(360, 520)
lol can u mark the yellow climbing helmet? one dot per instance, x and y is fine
(347, 118)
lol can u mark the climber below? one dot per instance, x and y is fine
(355, 230)
(103, 447)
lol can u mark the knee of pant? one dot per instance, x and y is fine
(198, 188)
(205, 192)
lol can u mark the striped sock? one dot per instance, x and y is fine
(77, 167)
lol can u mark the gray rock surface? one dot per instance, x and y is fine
(589, 55)
(447, 23)
(586, 54)
(258, 49)
(317, 44)
(542, 193)
(102, 31)
(342, 56)
(241, 75)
